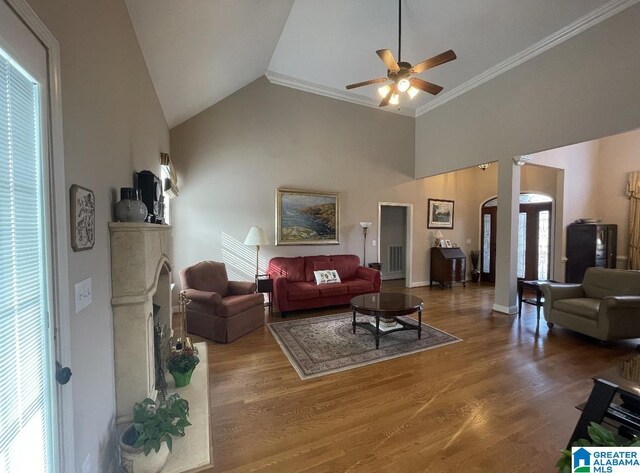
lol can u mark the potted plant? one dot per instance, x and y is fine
(599, 437)
(181, 364)
(146, 444)
(475, 272)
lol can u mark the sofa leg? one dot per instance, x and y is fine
(550, 325)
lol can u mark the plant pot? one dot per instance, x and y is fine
(475, 275)
(133, 460)
(182, 379)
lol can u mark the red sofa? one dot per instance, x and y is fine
(294, 286)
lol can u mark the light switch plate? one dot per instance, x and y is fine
(373, 243)
(83, 294)
(468, 241)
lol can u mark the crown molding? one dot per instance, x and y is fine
(591, 19)
(306, 86)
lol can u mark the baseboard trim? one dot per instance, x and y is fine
(419, 284)
(505, 309)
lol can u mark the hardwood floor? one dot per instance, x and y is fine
(501, 400)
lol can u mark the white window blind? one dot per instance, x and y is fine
(25, 391)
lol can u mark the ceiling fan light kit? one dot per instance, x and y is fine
(400, 72)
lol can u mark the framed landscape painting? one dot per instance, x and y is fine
(440, 213)
(307, 218)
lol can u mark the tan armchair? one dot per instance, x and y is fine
(605, 306)
(220, 310)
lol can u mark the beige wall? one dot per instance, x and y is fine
(583, 89)
(113, 126)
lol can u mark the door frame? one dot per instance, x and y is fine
(409, 237)
(57, 233)
(552, 226)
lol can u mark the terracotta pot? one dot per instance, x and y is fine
(133, 460)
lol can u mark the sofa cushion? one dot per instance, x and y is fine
(291, 268)
(602, 282)
(346, 265)
(233, 305)
(302, 290)
(310, 263)
(334, 289)
(358, 286)
(583, 306)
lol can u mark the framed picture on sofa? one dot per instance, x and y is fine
(307, 218)
(440, 213)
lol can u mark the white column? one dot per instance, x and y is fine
(507, 237)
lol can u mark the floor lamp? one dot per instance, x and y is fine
(365, 226)
(256, 237)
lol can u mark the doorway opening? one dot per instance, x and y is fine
(394, 241)
(534, 237)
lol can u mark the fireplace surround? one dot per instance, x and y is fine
(141, 264)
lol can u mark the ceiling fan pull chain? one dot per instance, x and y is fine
(399, 30)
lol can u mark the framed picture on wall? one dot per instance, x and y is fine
(440, 213)
(307, 218)
(83, 218)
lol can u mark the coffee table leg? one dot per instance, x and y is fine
(354, 321)
(377, 331)
(419, 324)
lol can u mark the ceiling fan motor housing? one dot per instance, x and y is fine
(403, 73)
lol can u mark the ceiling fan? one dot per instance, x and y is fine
(400, 73)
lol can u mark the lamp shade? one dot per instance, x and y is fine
(256, 236)
(365, 224)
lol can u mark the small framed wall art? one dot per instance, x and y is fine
(307, 218)
(440, 213)
(83, 218)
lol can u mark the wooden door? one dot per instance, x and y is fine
(488, 245)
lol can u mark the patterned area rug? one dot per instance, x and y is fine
(318, 346)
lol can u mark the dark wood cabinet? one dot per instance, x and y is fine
(590, 245)
(448, 265)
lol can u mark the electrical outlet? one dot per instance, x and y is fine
(468, 241)
(83, 294)
(373, 243)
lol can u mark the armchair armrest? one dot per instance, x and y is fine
(368, 274)
(237, 288)
(203, 297)
(555, 291)
(622, 302)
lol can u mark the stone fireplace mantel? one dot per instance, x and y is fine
(141, 263)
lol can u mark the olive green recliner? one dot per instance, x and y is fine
(605, 306)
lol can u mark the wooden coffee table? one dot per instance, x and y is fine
(386, 307)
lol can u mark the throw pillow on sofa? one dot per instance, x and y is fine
(326, 276)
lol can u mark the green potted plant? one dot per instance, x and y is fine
(599, 437)
(181, 364)
(146, 444)
(475, 272)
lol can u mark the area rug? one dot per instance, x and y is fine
(318, 346)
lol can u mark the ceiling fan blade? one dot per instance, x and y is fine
(367, 82)
(434, 61)
(385, 101)
(426, 86)
(388, 59)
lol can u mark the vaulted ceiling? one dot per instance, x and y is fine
(200, 51)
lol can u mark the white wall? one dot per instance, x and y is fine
(113, 126)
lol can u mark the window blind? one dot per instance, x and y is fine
(25, 391)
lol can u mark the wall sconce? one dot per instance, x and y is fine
(522, 160)
(484, 166)
(365, 226)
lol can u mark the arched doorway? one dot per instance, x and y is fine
(534, 237)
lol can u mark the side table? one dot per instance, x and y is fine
(264, 285)
(531, 285)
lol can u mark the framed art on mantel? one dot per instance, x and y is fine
(440, 213)
(307, 218)
(83, 218)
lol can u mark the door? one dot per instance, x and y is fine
(488, 244)
(30, 439)
(534, 238)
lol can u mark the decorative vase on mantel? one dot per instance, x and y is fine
(182, 379)
(130, 208)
